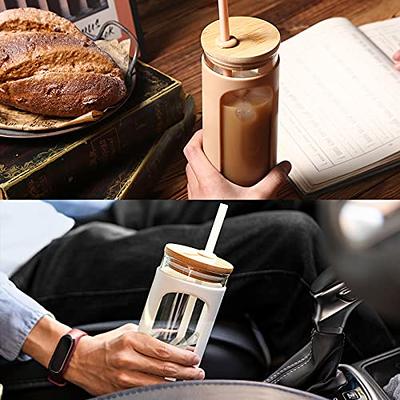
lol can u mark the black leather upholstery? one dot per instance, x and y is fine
(315, 363)
(235, 351)
(315, 367)
(213, 390)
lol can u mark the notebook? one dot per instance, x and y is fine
(340, 103)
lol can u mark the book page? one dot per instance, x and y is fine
(339, 108)
(385, 34)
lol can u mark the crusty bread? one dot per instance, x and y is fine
(25, 54)
(57, 92)
(19, 20)
(48, 67)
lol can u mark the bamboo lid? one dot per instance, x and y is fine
(198, 260)
(257, 41)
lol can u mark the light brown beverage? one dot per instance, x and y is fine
(248, 135)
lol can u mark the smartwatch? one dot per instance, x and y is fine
(61, 358)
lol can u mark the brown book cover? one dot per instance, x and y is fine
(136, 178)
(34, 169)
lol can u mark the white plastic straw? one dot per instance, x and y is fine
(216, 229)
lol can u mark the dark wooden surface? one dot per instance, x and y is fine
(172, 41)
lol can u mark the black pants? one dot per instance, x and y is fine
(102, 271)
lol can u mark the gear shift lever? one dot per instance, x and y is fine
(315, 367)
(334, 301)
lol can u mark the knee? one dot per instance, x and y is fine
(97, 233)
(283, 230)
(301, 224)
(293, 234)
(300, 231)
(288, 224)
(304, 240)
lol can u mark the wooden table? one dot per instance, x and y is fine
(172, 40)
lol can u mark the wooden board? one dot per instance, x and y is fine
(172, 39)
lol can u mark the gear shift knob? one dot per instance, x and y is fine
(315, 366)
(334, 303)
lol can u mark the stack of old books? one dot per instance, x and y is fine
(123, 157)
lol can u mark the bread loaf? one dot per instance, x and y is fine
(25, 54)
(19, 20)
(48, 67)
(74, 94)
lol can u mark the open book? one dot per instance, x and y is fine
(340, 102)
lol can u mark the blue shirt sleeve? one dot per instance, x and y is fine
(18, 316)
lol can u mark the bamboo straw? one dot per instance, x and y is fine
(224, 20)
(224, 29)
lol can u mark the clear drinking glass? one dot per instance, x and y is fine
(184, 299)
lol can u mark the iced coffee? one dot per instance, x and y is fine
(248, 134)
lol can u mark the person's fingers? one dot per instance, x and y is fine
(121, 331)
(154, 348)
(397, 66)
(198, 161)
(167, 369)
(193, 184)
(278, 177)
(191, 176)
(128, 328)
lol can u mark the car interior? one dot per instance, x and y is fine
(362, 239)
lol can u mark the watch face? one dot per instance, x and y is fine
(61, 354)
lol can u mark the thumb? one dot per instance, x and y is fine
(277, 178)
